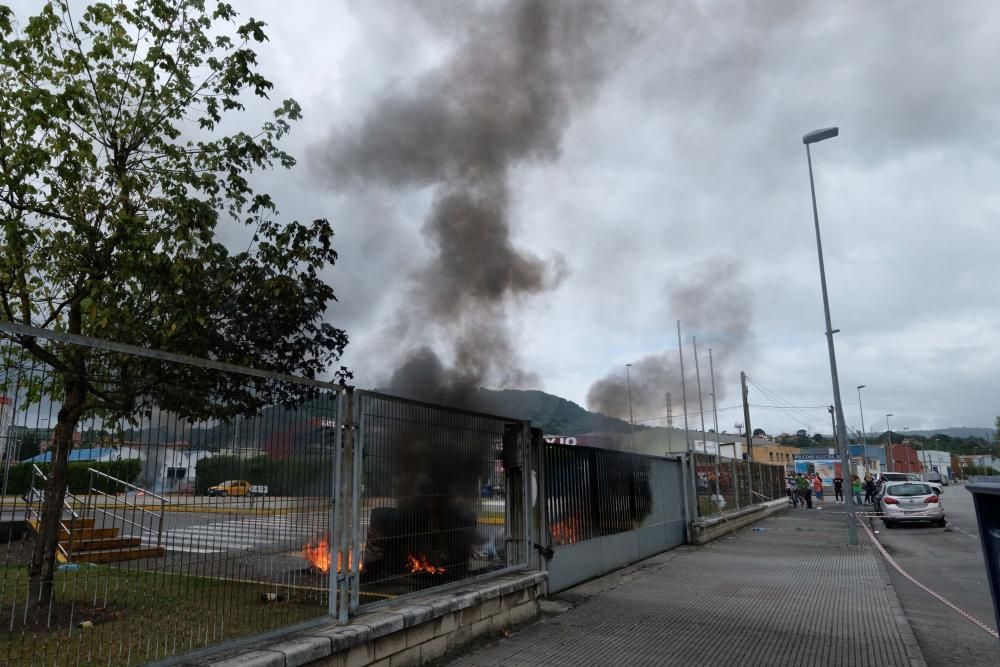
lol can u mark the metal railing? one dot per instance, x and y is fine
(37, 495)
(91, 508)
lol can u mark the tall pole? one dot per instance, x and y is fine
(833, 424)
(670, 422)
(864, 439)
(852, 529)
(746, 421)
(891, 463)
(701, 408)
(715, 420)
(631, 421)
(687, 433)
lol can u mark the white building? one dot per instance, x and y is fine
(168, 470)
(936, 461)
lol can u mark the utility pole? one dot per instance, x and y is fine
(701, 408)
(687, 433)
(890, 463)
(833, 424)
(631, 420)
(715, 419)
(670, 421)
(749, 431)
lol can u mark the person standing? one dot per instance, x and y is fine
(856, 489)
(801, 484)
(869, 488)
(817, 487)
(790, 491)
(838, 489)
(805, 490)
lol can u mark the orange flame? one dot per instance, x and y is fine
(566, 531)
(318, 554)
(421, 564)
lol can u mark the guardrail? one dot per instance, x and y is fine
(35, 495)
(93, 509)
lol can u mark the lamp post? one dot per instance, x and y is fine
(809, 139)
(892, 464)
(864, 439)
(631, 420)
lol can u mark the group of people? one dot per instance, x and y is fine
(803, 490)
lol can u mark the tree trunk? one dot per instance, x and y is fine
(41, 571)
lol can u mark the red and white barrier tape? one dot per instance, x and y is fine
(892, 561)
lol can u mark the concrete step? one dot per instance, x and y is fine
(81, 544)
(72, 524)
(90, 534)
(115, 555)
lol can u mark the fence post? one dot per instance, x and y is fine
(335, 507)
(353, 566)
(345, 511)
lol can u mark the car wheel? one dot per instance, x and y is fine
(223, 494)
(889, 524)
(941, 523)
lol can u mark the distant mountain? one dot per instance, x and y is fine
(554, 415)
(959, 432)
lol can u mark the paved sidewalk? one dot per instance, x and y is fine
(790, 594)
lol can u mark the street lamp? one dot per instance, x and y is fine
(631, 420)
(812, 138)
(892, 466)
(864, 440)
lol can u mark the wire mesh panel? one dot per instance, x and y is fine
(441, 496)
(197, 505)
(740, 485)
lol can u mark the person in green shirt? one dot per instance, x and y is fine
(856, 489)
(805, 491)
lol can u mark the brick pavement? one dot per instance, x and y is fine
(791, 594)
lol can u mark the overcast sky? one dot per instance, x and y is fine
(688, 156)
(672, 184)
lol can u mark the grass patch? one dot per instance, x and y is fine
(107, 615)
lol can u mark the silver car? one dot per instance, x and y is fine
(910, 501)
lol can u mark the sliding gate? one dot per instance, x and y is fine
(605, 509)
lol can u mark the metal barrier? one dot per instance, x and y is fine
(431, 496)
(605, 509)
(223, 503)
(149, 564)
(724, 485)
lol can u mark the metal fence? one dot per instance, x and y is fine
(194, 498)
(605, 509)
(436, 497)
(724, 485)
(207, 503)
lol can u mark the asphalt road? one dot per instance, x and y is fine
(949, 561)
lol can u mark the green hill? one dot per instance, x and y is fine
(554, 415)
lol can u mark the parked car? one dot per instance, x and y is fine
(934, 477)
(910, 502)
(237, 487)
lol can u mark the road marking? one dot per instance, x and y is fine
(243, 533)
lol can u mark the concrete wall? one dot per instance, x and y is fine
(414, 632)
(703, 532)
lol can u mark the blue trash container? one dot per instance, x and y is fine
(986, 495)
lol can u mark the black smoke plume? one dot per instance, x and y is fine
(503, 99)
(714, 305)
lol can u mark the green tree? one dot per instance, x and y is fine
(118, 165)
(996, 433)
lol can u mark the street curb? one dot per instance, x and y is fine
(913, 653)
